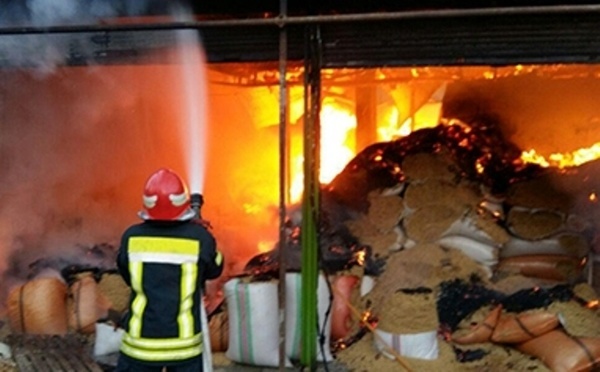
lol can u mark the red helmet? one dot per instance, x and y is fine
(166, 197)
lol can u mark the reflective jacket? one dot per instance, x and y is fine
(166, 265)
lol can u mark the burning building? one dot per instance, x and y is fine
(408, 126)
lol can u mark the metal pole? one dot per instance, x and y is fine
(304, 20)
(283, 184)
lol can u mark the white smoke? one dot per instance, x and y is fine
(77, 142)
(44, 51)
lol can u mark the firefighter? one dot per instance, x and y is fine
(166, 260)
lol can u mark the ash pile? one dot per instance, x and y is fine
(443, 244)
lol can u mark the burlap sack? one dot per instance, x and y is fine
(517, 328)
(381, 243)
(539, 193)
(480, 332)
(38, 307)
(564, 353)
(460, 196)
(385, 212)
(114, 288)
(86, 305)
(534, 224)
(345, 288)
(219, 331)
(551, 266)
(425, 166)
(428, 224)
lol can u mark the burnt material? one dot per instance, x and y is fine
(459, 299)
(34, 353)
(480, 151)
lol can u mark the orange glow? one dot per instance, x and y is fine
(265, 246)
(593, 304)
(593, 197)
(388, 128)
(336, 124)
(337, 147)
(565, 160)
(479, 167)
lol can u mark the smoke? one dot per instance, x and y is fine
(77, 142)
(43, 52)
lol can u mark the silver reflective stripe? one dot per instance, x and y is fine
(176, 259)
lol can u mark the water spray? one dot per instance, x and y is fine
(193, 79)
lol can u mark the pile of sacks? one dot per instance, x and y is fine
(532, 229)
(48, 305)
(437, 226)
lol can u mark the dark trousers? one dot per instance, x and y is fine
(126, 364)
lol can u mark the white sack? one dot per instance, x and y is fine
(5, 351)
(293, 303)
(520, 247)
(366, 285)
(466, 226)
(478, 251)
(422, 345)
(108, 339)
(253, 310)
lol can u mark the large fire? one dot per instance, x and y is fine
(338, 126)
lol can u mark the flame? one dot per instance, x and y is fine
(563, 160)
(336, 123)
(337, 148)
(266, 245)
(361, 257)
(593, 197)
(593, 304)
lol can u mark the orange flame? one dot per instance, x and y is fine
(564, 160)
(337, 149)
(593, 304)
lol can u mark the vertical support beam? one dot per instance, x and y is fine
(366, 115)
(310, 201)
(283, 184)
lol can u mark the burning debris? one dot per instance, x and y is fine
(451, 222)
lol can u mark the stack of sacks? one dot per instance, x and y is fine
(538, 333)
(548, 240)
(532, 230)
(495, 325)
(47, 305)
(380, 228)
(39, 306)
(443, 209)
(254, 324)
(432, 205)
(403, 298)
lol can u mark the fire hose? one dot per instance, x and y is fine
(196, 203)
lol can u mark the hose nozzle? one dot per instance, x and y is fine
(196, 202)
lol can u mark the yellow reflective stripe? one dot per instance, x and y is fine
(185, 319)
(219, 258)
(162, 343)
(161, 355)
(139, 302)
(173, 246)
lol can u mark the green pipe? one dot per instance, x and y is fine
(309, 274)
(310, 201)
